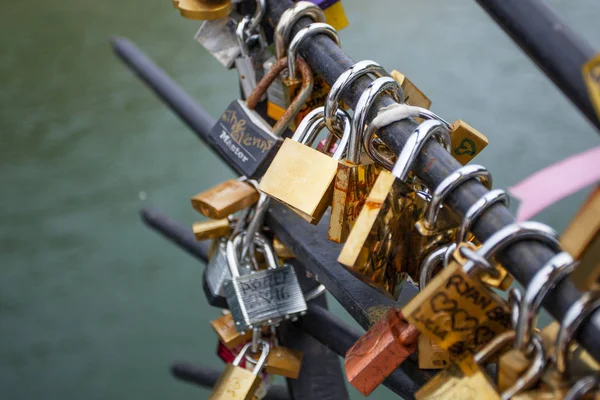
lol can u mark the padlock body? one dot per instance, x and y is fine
(247, 74)
(216, 275)
(264, 297)
(235, 383)
(219, 38)
(302, 178)
(224, 327)
(376, 238)
(431, 356)
(212, 229)
(412, 95)
(464, 380)
(352, 186)
(379, 352)
(225, 199)
(245, 139)
(458, 312)
(466, 141)
(284, 361)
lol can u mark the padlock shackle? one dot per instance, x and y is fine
(308, 31)
(359, 69)
(575, 315)
(389, 115)
(266, 347)
(514, 233)
(430, 262)
(258, 218)
(546, 279)
(288, 19)
(311, 125)
(259, 14)
(240, 34)
(450, 183)
(479, 207)
(363, 107)
(425, 131)
(582, 387)
(296, 104)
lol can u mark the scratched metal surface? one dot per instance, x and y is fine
(93, 305)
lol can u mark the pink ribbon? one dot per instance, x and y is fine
(556, 182)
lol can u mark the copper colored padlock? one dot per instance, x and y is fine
(380, 351)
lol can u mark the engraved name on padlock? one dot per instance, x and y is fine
(264, 297)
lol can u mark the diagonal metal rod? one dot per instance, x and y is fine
(433, 164)
(549, 42)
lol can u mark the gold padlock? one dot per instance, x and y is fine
(203, 9)
(357, 173)
(212, 229)
(225, 199)
(224, 326)
(412, 95)
(284, 361)
(582, 240)
(465, 379)
(237, 383)
(373, 244)
(301, 176)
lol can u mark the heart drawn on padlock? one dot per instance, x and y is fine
(461, 321)
(483, 335)
(466, 146)
(441, 302)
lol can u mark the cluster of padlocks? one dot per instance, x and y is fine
(392, 226)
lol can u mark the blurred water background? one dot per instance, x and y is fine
(95, 306)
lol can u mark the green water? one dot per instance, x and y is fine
(95, 306)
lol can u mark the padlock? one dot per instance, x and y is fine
(301, 176)
(357, 173)
(389, 342)
(264, 297)
(291, 82)
(237, 383)
(466, 141)
(541, 394)
(249, 64)
(412, 95)
(582, 240)
(374, 242)
(588, 387)
(282, 251)
(220, 39)
(284, 361)
(203, 9)
(456, 310)
(225, 199)
(465, 379)
(276, 104)
(224, 326)
(499, 279)
(217, 274)
(436, 226)
(244, 138)
(212, 229)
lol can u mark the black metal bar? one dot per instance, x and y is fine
(434, 164)
(339, 337)
(556, 49)
(207, 377)
(176, 233)
(323, 326)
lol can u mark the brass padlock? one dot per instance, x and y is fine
(357, 172)
(284, 361)
(225, 199)
(582, 240)
(373, 243)
(389, 342)
(224, 326)
(237, 383)
(203, 9)
(467, 380)
(212, 229)
(458, 311)
(301, 176)
(412, 95)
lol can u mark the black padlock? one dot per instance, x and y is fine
(244, 138)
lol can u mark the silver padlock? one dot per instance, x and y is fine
(219, 38)
(264, 297)
(249, 65)
(275, 93)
